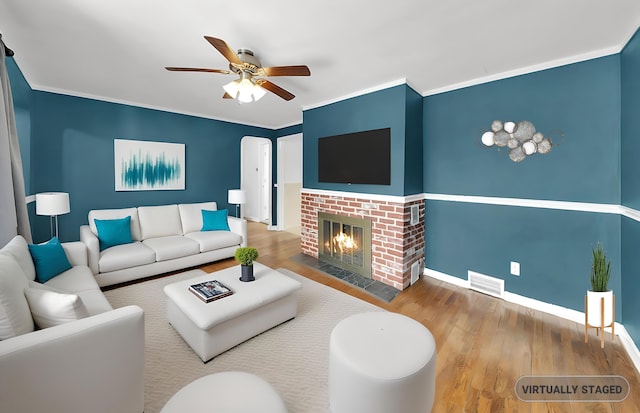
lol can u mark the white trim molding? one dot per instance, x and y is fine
(374, 197)
(556, 310)
(528, 203)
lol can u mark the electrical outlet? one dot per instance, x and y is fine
(515, 268)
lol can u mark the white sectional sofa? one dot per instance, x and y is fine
(91, 364)
(164, 238)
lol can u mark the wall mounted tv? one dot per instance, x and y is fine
(356, 158)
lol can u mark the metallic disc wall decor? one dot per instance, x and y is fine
(521, 138)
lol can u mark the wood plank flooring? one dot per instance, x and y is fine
(484, 344)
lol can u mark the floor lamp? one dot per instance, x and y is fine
(52, 204)
(237, 197)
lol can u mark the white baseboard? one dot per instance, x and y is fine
(629, 345)
(563, 312)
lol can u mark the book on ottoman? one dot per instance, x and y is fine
(210, 290)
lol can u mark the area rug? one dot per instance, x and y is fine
(293, 356)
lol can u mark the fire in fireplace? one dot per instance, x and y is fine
(345, 242)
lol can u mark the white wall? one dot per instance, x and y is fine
(289, 182)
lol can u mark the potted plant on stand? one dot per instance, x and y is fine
(246, 256)
(599, 301)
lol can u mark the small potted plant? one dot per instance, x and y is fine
(600, 274)
(246, 256)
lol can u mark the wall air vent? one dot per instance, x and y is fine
(485, 284)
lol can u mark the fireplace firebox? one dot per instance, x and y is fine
(345, 242)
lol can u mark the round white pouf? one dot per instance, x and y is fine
(231, 391)
(381, 362)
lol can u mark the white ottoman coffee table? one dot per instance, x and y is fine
(214, 327)
(381, 362)
(230, 391)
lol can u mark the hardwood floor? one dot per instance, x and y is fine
(484, 344)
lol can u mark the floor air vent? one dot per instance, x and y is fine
(485, 284)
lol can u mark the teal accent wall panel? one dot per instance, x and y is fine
(630, 289)
(20, 92)
(376, 110)
(582, 100)
(630, 117)
(413, 160)
(72, 151)
(289, 130)
(553, 247)
(630, 89)
(20, 89)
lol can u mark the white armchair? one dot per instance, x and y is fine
(95, 365)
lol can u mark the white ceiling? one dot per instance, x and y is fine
(116, 50)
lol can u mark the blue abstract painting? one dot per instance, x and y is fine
(147, 166)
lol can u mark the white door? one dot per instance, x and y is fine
(265, 182)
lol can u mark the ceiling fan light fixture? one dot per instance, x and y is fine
(244, 89)
(232, 88)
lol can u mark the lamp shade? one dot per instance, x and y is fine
(52, 203)
(237, 196)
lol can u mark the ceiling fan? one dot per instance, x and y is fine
(250, 86)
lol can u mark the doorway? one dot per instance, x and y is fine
(289, 182)
(256, 178)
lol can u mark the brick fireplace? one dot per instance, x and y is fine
(397, 230)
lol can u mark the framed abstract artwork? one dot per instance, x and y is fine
(148, 166)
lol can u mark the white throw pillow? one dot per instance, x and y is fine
(50, 308)
(15, 317)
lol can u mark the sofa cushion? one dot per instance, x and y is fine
(72, 281)
(125, 256)
(49, 259)
(159, 221)
(19, 249)
(114, 214)
(191, 215)
(215, 220)
(113, 232)
(213, 240)
(170, 247)
(15, 316)
(94, 301)
(50, 308)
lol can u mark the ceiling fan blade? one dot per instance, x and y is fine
(300, 70)
(196, 69)
(224, 49)
(273, 88)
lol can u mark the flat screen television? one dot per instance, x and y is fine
(356, 158)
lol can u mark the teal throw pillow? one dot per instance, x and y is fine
(49, 259)
(113, 232)
(215, 220)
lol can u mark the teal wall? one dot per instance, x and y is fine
(397, 108)
(413, 161)
(71, 150)
(581, 100)
(21, 93)
(553, 246)
(630, 62)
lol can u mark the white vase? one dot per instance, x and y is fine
(594, 308)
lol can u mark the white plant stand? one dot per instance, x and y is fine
(601, 325)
